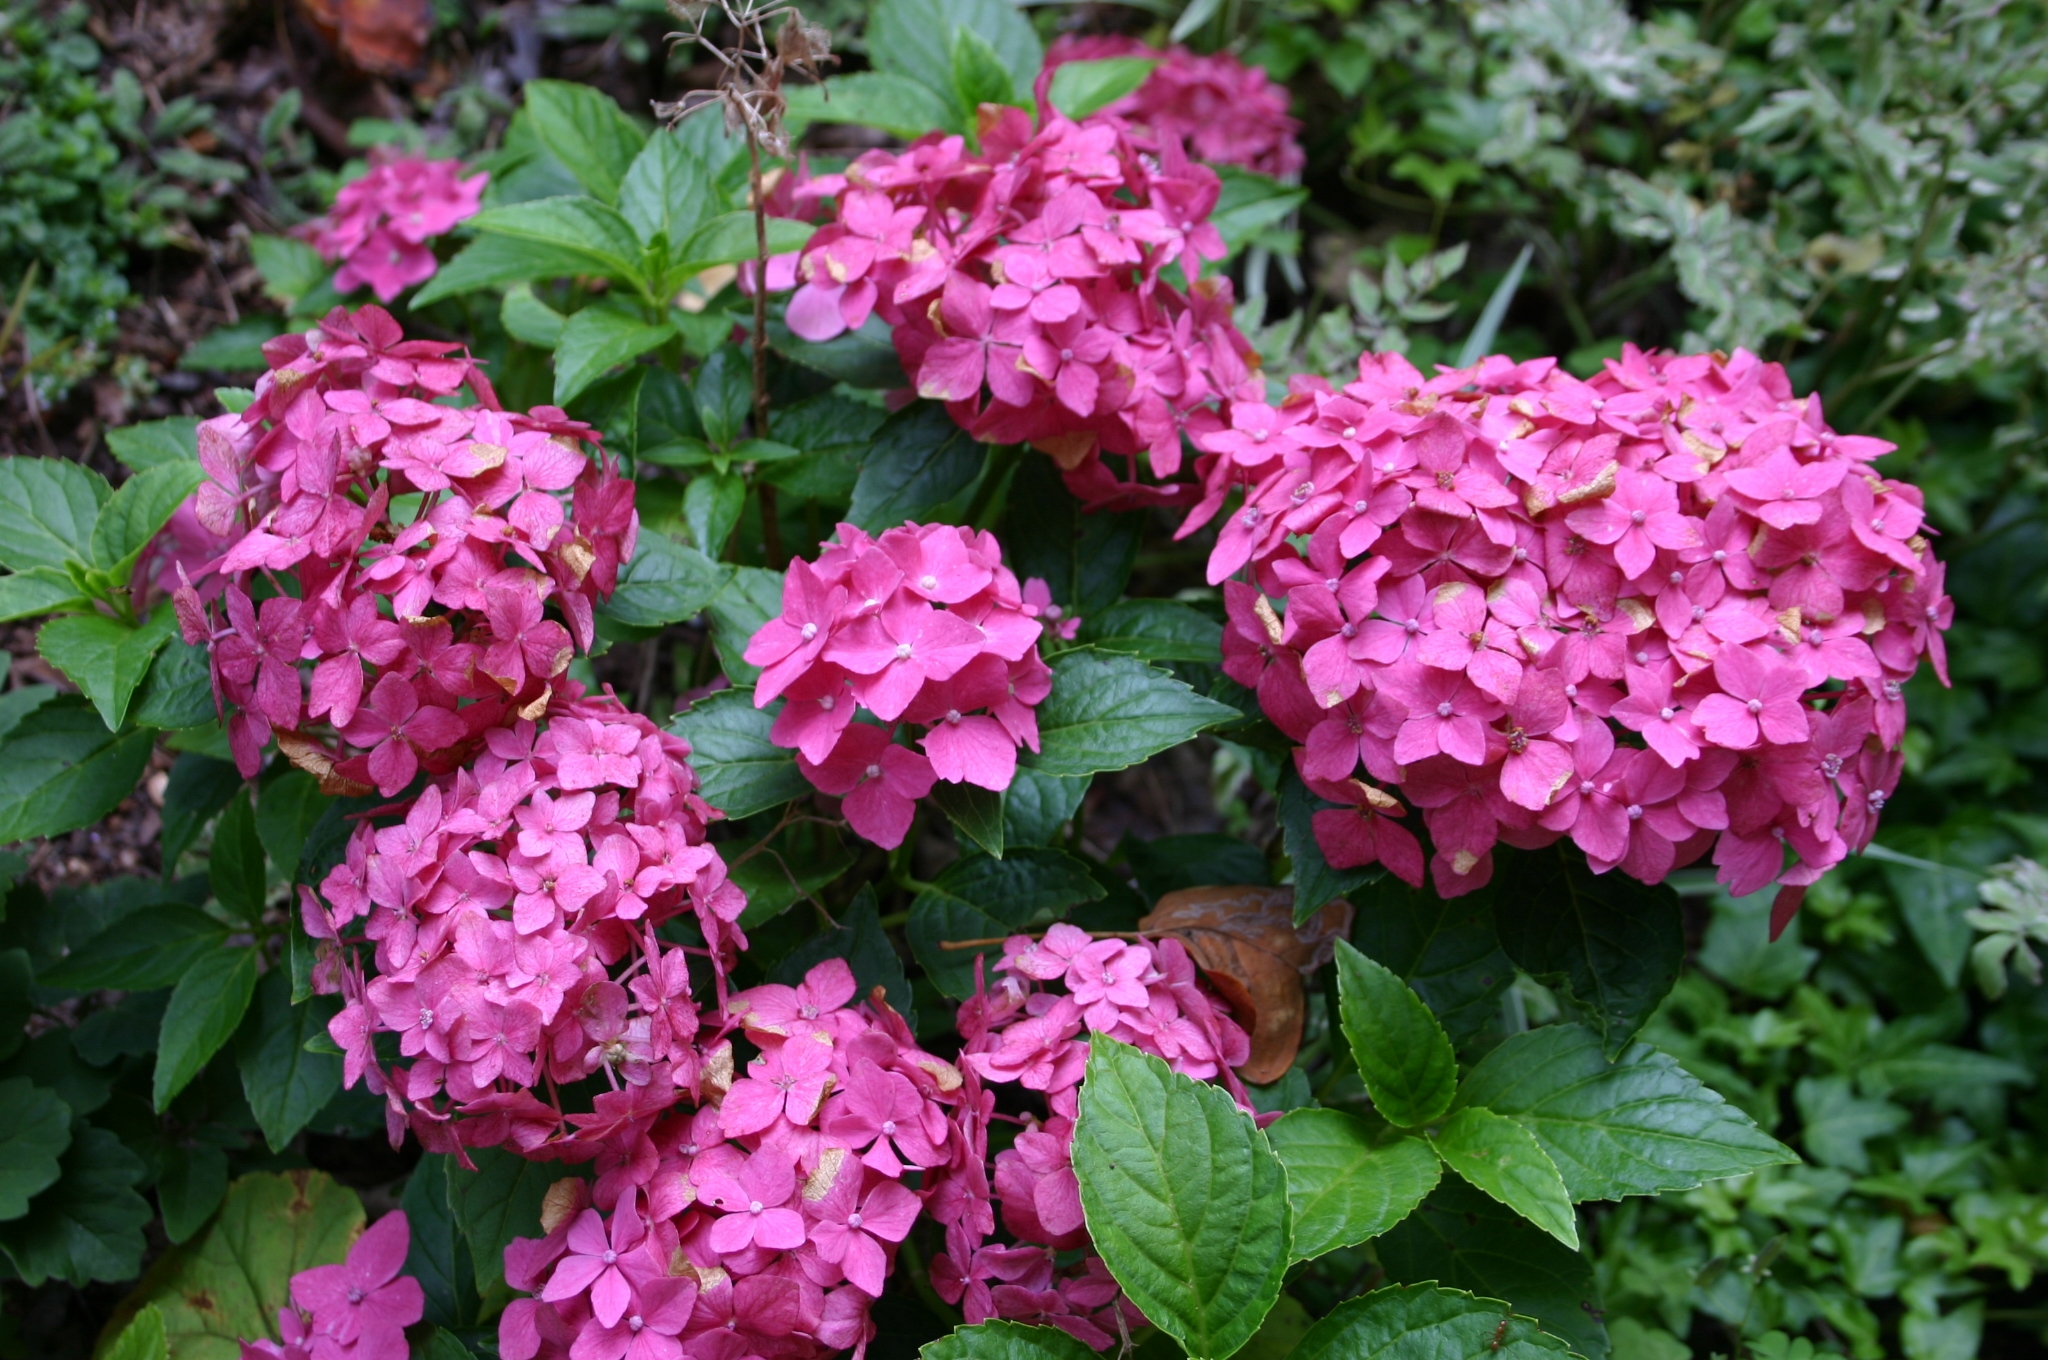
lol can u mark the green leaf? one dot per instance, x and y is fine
(751, 596)
(723, 394)
(190, 1186)
(61, 769)
(178, 691)
(35, 1129)
(1403, 1054)
(39, 590)
(1005, 1341)
(894, 104)
(149, 948)
(156, 442)
(975, 812)
(141, 1339)
(138, 508)
(285, 1083)
(1462, 1239)
(1487, 329)
(789, 866)
(495, 1203)
(860, 358)
(529, 320)
(1084, 559)
(1836, 1124)
(1344, 1187)
(236, 348)
(1615, 943)
(499, 261)
(126, 1029)
(1636, 1126)
(438, 1256)
(861, 941)
(711, 507)
(586, 131)
(919, 460)
(1425, 1324)
(1504, 1159)
(1109, 712)
(1199, 860)
(1155, 630)
(205, 1009)
(288, 809)
(569, 235)
(665, 582)
(666, 191)
(596, 340)
(230, 1282)
(1250, 203)
(978, 74)
(88, 1226)
(1316, 884)
(199, 787)
(914, 38)
(105, 659)
(17, 975)
(730, 238)
(1445, 950)
(1080, 88)
(1037, 806)
(48, 507)
(235, 863)
(979, 898)
(1184, 1199)
(290, 269)
(743, 772)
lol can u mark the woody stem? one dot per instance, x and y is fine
(771, 526)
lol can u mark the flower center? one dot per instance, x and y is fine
(610, 1257)
(1667, 713)
(889, 1127)
(903, 651)
(754, 1206)
(355, 1294)
(1351, 432)
(1444, 709)
(826, 703)
(928, 582)
(810, 630)
(874, 772)
(1755, 705)
(854, 1220)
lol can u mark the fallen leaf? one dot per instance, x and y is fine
(1245, 942)
(382, 37)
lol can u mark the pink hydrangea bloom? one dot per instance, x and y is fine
(356, 1310)
(382, 222)
(1227, 112)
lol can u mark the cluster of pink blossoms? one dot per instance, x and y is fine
(429, 544)
(356, 1310)
(1024, 286)
(1032, 1030)
(1228, 113)
(1664, 611)
(381, 223)
(924, 626)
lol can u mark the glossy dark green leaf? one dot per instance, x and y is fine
(1085, 560)
(797, 861)
(1403, 1054)
(287, 810)
(861, 941)
(199, 787)
(1202, 859)
(1499, 1156)
(596, 340)
(894, 104)
(1155, 630)
(1426, 1324)
(861, 358)
(236, 862)
(919, 460)
(206, 1008)
(1445, 949)
(1316, 884)
(711, 507)
(190, 1185)
(1108, 712)
(1185, 1201)
(586, 131)
(1344, 1185)
(741, 770)
(724, 393)
(1037, 806)
(497, 1202)
(178, 691)
(665, 582)
(438, 1256)
(981, 898)
(285, 1082)
(35, 1130)
(749, 598)
(1005, 1341)
(153, 947)
(87, 1226)
(1616, 944)
(976, 814)
(60, 769)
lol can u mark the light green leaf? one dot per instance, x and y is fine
(495, 1203)
(712, 503)
(1403, 1054)
(666, 192)
(35, 1129)
(1342, 1185)
(919, 460)
(1005, 1341)
(742, 772)
(60, 769)
(1080, 88)
(498, 261)
(914, 38)
(665, 582)
(39, 590)
(750, 597)
(88, 1226)
(976, 813)
(141, 1339)
(730, 238)
(145, 949)
(1615, 943)
(156, 442)
(1250, 203)
(1155, 630)
(189, 1187)
(979, 898)
(596, 340)
(1637, 1126)
(529, 320)
(230, 1282)
(894, 104)
(105, 659)
(1184, 1199)
(978, 74)
(290, 268)
(206, 1007)
(1836, 1124)
(1425, 1324)
(1108, 712)
(285, 1083)
(1504, 1159)
(178, 691)
(48, 507)
(580, 233)
(586, 131)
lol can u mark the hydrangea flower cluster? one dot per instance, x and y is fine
(1024, 286)
(1665, 611)
(448, 559)
(762, 1217)
(381, 224)
(357, 1310)
(1031, 1030)
(1228, 113)
(923, 627)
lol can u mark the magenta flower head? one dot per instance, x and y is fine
(359, 1310)
(382, 222)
